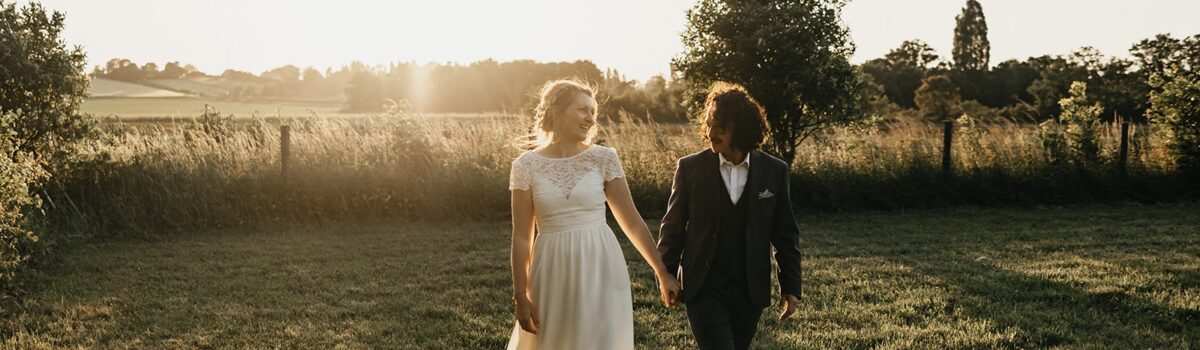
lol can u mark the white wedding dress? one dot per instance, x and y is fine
(578, 277)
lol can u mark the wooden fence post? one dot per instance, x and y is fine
(948, 136)
(285, 140)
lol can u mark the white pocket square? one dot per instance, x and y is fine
(765, 194)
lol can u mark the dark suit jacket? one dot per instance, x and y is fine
(688, 234)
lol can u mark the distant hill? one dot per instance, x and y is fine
(229, 85)
(111, 88)
(190, 87)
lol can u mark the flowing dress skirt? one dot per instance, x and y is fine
(580, 284)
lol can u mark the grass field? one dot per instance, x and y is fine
(150, 176)
(106, 88)
(1115, 276)
(137, 108)
(163, 110)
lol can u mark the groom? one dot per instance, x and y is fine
(729, 206)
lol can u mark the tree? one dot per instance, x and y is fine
(1162, 56)
(792, 56)
(874, 100)
(150, 70)
(123, 70)
(312, 75)
(193, 72)
(1057, 74)
(364, 93)
(1009, 83)
(311, 82)
(1175, 104)
(912, 53)
(19, 174)
(172, 71)
(1164, 53)
(1122, 91)
(971, 48)
(1111, 81)
(285, 74)
(41, 80)
(1083, 123)
(900, 72)
(232, 74)
(938, 98)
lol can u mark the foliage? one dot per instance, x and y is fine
(657, 99)
(1083, 123)
(490, 86)
(874, 99)
(938, 98)
(900, 72)
(1164, 55)
(41, 80)
(792, 56)
(1175, 104)
(222, 172)
(1053, 143)
(971, 47)
(19, 172)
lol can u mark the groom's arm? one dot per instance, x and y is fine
(786, 239)
(672, 235)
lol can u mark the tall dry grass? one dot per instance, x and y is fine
(217, 172)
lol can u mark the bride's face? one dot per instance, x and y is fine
(577, 119)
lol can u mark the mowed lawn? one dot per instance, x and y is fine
(1112, 276)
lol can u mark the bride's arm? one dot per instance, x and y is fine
(621, 202)
(522, 250)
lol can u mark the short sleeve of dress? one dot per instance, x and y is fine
(611, 165)
(519, 176)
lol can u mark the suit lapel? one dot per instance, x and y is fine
(717, 183)
(753, 187)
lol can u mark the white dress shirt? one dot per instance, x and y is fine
(735, 176)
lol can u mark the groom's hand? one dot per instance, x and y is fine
(789, 303)
(669, 290)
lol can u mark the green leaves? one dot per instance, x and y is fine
(971, 47)
(1175, 103)
(1083, 123)
(938, 98)
(792, 56)
(41, 77)
(18, 173)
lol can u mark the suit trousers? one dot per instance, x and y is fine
(723, 318)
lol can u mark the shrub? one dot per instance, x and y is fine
(1175, 104)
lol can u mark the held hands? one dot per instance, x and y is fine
(527, 314)
(669, 290)
(788, 302)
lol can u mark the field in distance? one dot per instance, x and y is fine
(187, 107)
(149, 109)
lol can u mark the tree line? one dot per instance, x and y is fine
(1023, 90)
(798, 67)
(482, 86)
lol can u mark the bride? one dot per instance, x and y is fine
(570, 282)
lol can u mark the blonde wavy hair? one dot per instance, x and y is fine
(555, 97)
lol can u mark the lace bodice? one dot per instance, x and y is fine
(567, 192)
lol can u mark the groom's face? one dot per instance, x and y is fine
(720, 137)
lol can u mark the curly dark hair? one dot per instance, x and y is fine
(732, 106)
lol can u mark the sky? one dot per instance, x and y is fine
(636, 37)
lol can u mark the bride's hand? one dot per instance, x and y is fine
(668, 288)
(527, 315)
